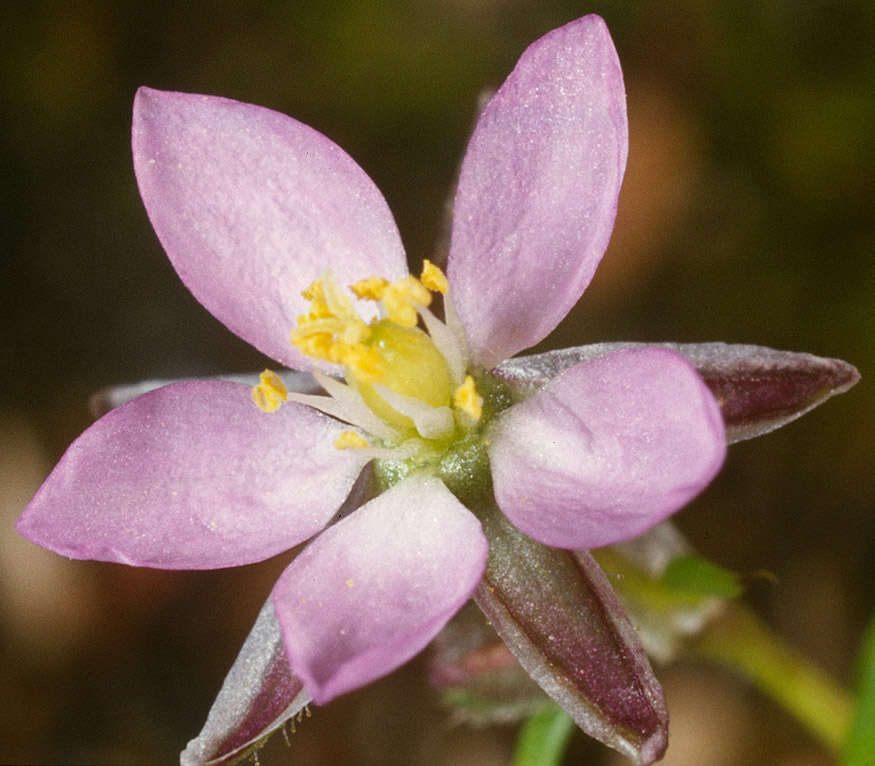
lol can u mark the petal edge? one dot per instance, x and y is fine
(372, 591)
(607, 449)
(252, 206)
(538, 190)
(192, 476)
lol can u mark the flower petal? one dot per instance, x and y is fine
(607, 449)
(538, 189)
(193, 476)
(259, 695)
(371, 591)
(252, 206)
(758, 389)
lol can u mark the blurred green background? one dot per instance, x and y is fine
(746, 216)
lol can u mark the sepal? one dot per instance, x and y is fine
(557, 613)
(259, 694)
(758, 389)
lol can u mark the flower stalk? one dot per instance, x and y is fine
(738, 640)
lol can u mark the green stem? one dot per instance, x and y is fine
(738, 639)
(861, 740)
(543, 738)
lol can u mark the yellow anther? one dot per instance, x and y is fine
(468, 400)
(314, 292)
(415, 291)
(355, 333)
(317, 345)
(318, 307)
(337, 301)
(371, 288)
(270, 393)
(331, 330)
(433, 278)
(350, 439)
(364, 362)
(308, 326)
(401, 298)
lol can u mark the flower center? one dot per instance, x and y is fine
(408, 391)
(412, 381)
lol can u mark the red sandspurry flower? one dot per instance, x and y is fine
(282, 236)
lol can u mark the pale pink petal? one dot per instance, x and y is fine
(193, 476)
(371, 591)
(607, 449)
(538, 190)
(252, 206)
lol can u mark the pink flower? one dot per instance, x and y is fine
(252, 207)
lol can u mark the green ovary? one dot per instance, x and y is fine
(412, 367)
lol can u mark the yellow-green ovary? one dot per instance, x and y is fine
(412, 367)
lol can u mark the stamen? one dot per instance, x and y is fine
(365, 363)
(313, 292)
(401, 299)
(445, 341)
(353, 408)
(318, 307)
(350, 439)
(399, 378)
(468, 400)
(371, 288)
(343, 411)
(339, 305)
(270, 393)
(454, 323)
(430, 422)
(433, 278)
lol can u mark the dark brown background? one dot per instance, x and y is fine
(745, 217)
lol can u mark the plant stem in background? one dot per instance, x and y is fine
(740, 641)
(543, 738)
(860, 744)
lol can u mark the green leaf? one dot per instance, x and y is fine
(693, 574)
(543, 738)
(860, 744)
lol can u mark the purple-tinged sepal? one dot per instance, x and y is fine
(557, 613)
(259, 694)
(482, 682)
(758, 389)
